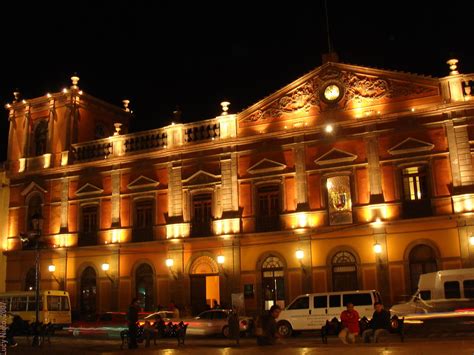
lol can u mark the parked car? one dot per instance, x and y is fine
(214, 322)
(108, 324)
(310, 311)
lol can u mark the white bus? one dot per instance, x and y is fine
(54, 306)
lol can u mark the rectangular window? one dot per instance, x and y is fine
(468, 286)
(425, 295)
(89, 219)
(415, 183)
(202, 215)
(268, 208)
(54, 303)
(335, 301)
(300, 303)
(144, 214)
(320, 301)
(358, 299)
(452, 289)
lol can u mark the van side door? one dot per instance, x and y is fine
(335, 307)
(319, 314)
(299, 312)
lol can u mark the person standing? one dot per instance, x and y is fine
(268, 332)
(132, 317)
(233, 323)
(379, 324)
(350, 324)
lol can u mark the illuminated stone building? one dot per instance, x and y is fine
(347, 178)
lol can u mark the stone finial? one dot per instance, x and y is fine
(118, 128)
(75, 80)
(177, 113)
(125, 105)
(225, 107)
(453, 66)
(16, 95)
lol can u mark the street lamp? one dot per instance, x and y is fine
(37, 222)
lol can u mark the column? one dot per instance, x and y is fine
(300, 170)
(26, 134)
(375, 176)
(115, 176)
(64, 204)
(459, 154)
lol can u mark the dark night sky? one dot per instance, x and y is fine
(193, 54)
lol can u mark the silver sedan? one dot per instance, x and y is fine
(214, 322)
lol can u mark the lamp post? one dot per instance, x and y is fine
(37, 221)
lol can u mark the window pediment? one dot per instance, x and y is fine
(88, 189)
(142, 182)
(410, 145)
(335, 156)
(32, 186)
(266, 165)
(202, 177)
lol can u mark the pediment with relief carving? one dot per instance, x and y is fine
(360, 87)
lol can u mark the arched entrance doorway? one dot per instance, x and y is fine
(422, 259)
(144, 286)
(273, 282)
(88, 296)
(204, 276)
(344, 272)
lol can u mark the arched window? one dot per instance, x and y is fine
(30, 280)
(422, 259)
(344, 272)
(144, 286)
(88, 296)
(273, 282)
(34, 208)
(41, 137)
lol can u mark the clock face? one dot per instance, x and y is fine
(332, 92)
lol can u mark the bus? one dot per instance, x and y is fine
(54, 306)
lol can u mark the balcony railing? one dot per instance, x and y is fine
(207, 130)
(93, 150)
(155, 139)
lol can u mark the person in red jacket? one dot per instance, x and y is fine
(350, 324)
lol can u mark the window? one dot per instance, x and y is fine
(34, 209)
(335, 301)
(54, 303)
(206, 315)
(421, 260)
(88, 291)
(300, 303)
(32, 303)
(202, 215)
(30, 278)
(452, 290)
(415, 183)
(41, 137)
(90, 225)
(320, 301)
(358, 299)
(18, 304)
(144, 277)
(273, 282)
(143, 223)
(268, 208)
(344, 272)
(468, 286)
(220, 315)
(425, 295)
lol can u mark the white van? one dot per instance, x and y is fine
(440, 291)
(310, 311)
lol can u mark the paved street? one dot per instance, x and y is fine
(296, 345)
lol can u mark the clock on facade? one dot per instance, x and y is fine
(332, 92)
